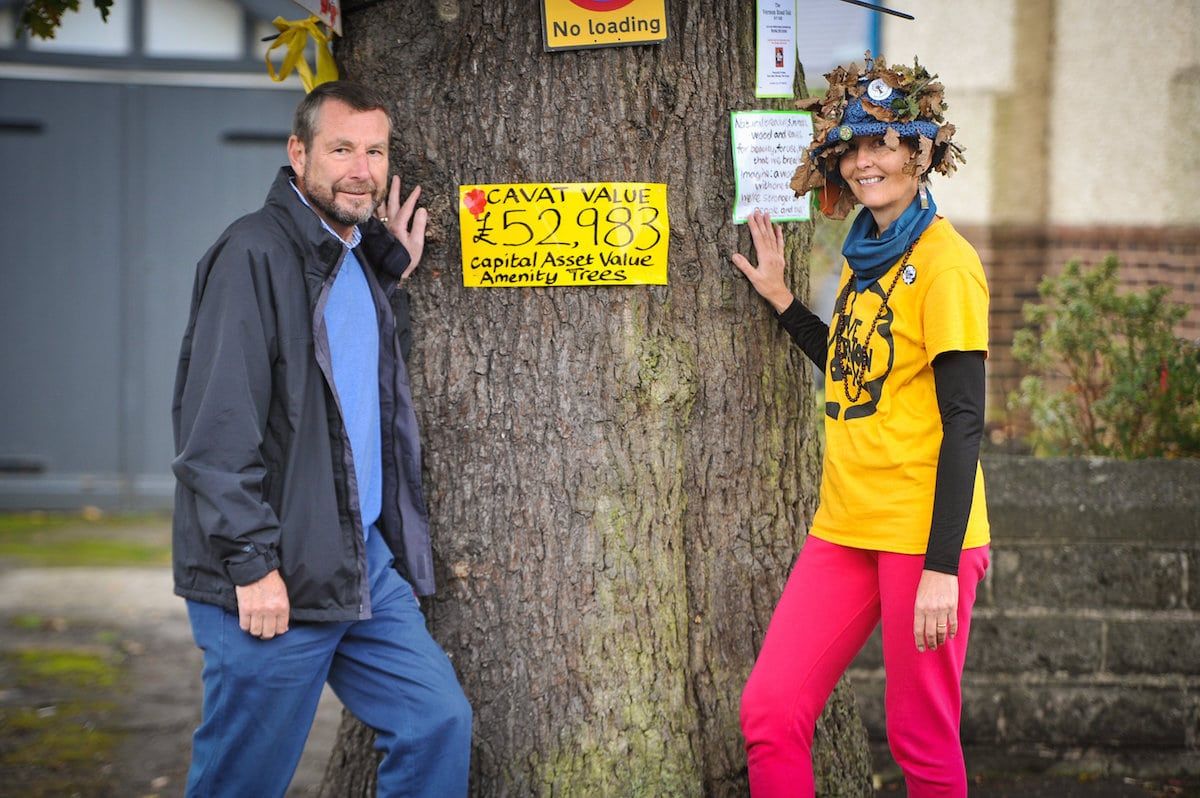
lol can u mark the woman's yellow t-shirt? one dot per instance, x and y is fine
(883, 431)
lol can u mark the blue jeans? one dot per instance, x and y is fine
(260, 696)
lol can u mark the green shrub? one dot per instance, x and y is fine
(1108, 376)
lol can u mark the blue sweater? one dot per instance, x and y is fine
(354, 347)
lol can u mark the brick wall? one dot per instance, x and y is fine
(1016, 257)
(1086, 635)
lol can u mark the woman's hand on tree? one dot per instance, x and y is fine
(767, 277)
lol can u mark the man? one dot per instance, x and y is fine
(300, 534)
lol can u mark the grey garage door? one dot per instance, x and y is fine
(112, 193)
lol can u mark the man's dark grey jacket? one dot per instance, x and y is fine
(265, 477)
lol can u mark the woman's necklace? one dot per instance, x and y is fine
(854, 370)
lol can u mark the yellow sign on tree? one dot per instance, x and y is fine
(576, 24)
(542, 234)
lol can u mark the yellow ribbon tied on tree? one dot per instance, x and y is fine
(294, 35)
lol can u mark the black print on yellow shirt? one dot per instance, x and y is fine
(857, 343)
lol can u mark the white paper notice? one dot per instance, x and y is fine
(776, 40)
(767, 146)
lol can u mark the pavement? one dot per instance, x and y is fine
(163, 702)
(161, 708)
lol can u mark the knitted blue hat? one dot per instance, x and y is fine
(874, 101)
(857, 122)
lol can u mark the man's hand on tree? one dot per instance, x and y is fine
(263, 606)
(397, 218)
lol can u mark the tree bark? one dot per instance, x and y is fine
(619, 478)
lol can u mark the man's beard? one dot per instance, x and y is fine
(322, 198)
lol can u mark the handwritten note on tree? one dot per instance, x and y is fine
(767, 146)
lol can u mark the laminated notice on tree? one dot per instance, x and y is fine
(767, 146)
(776, 48)
(541, 234)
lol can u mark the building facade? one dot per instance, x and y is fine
(1082, 127)
(127, 148)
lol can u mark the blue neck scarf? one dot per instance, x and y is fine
(870, 258)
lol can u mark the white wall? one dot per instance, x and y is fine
(194, 28)
(1120, 93)
(1124, 148)
(969, 45)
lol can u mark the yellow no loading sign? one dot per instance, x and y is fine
(576, 24)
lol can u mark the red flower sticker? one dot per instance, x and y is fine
(329, 9)
(476, 201)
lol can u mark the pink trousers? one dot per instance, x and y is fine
(833, 599)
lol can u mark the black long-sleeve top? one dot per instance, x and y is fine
(959, 381)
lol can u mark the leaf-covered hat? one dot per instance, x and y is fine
(894, 102)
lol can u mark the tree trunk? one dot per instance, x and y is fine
(619, 477)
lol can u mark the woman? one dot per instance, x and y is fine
(901, 534)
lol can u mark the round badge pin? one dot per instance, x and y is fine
(878, 90)
(845, 132)
(909, 275)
